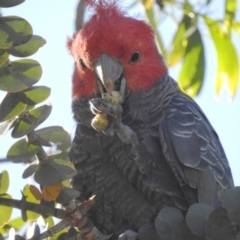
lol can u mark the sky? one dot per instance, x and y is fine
(54, 21)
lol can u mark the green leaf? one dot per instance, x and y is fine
(33, 195)
(16, 223)
(182, 232)
(1, 237)
(6, 126)
(4, 182)
(219, 227)
(49, 222)
(193, 67)
(236, 26)
(54, 171)
(28, 48)
(19, 75)
(151, 17)
(30, 170)
(166, 220)
(31, 120)
(14, 31)
(228, 63)
(54, 134)
(5, 212)
(10, 3)
(230, 199)
(3, 57)
(35, 95)
(179, 42)
(22, 151)
(230, 10)
(197, 217)
(11, 107)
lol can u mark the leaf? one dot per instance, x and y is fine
(7, 125)
(166, 220)
(51, 192)
(148, 4)
(14, 31)
(146, 232)
(182, 232)
(54, 171)
(236, 26)
(22, 151)
(5, 212)
(32, 195)
(49, 222)
(10, 107)
(30, 170)
(53, 134)
(4, 182)
(3, 57)
(10, 3)
(19, 75)
(228, 63)
(219, 227)
(197, 217)
(179, 42)
(28, 48)
(230, 199)
(66, 195)
(230, 10)
(35, 95)
(193, 67)
(31, 120)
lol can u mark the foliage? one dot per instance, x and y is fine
(187, 46)
(20, 112)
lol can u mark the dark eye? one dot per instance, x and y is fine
(134, 58)
(82, 63)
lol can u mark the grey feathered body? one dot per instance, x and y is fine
(177, 159)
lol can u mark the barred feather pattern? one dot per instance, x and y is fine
(132, 184)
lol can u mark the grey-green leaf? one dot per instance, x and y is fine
(166, 221)
(11, 107)
(197, 217)
(31, 120)
(66, 195)
(54, 171)
(10, 3)
(230, 199)
(53, 134)
(6, 126)
(14, 31)
(182, 232)
(219, 227)
(4, 182)
(3, 56)
(19, 75)
(30, 170)
(28, 48)
(22, 151)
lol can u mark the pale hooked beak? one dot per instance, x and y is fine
(110, 74)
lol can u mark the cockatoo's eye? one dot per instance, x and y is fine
(82, 63)
(135, 57)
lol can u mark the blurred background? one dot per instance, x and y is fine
(54, 21)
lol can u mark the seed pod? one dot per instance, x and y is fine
(112, 97)
(100, 122)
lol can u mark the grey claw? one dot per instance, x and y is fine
(128, 235)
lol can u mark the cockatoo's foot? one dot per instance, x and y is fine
(128, 235)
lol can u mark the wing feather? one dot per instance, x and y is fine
(193, 150)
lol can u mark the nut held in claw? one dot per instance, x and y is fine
(112, 97)
(100, 122)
